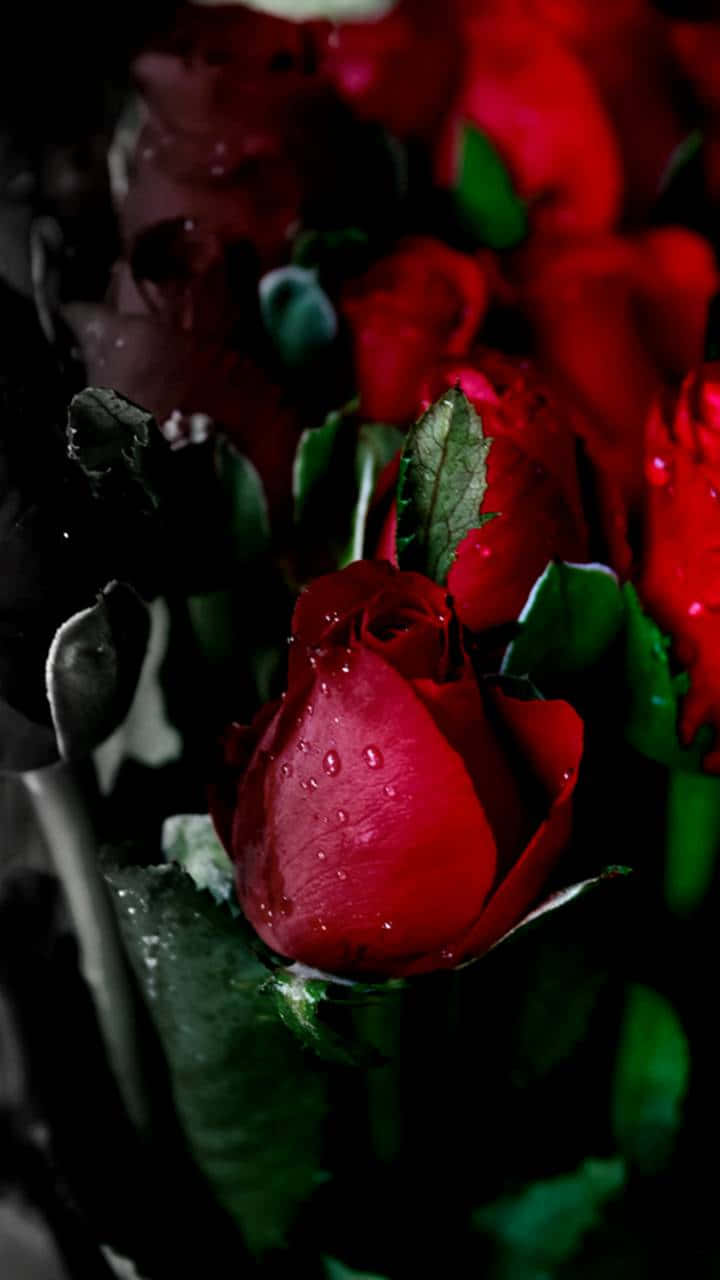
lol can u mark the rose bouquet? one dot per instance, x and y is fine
(358, 677)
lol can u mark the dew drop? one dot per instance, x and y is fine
(312, 784)
(373, 757)
(696, 609)
(332, 763)
(303, 746)
(386, 924)
(447, 954)
(322, 855)
(309, 708)
(714, 493)
(658, 471)
(345, 668)
(342, 816)
(567, 774)
(341, 875)
(324, 687)
(389, 790)
(286, 770)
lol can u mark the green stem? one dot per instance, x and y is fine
(693, 838)
(62, 814)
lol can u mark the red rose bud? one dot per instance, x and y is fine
(423, 301)
(394, 818)
(679, 581)
(532, 486)
(537, 104)
(615, 319)
(368, 63)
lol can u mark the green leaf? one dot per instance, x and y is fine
(572, 615)
(297, 314)
(93, 668)
(441, 486)
(117, 444)
(651, 1079)
(654, 693)
(680, 157)
(249, 520)
(484, 195)
(543, 1226)
(190, 840)
(692, 838)
(335, 1270)
(377, 446)
(313, 457)
(251, 1103)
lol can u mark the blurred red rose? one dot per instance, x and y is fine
(424, 300)
(615, 319)
(368, 63)
(240, 131)
(534, 99)
(679, 580)
(169, 336)
(532, 486)
(385, 824)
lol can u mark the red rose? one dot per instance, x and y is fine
(616, 319)
(384, 824)
(167, 338)
(697, 47)
(419, 303)
(680, 576)
(623, 44)
(240, 131)
(532, 486)
(368, 64)
(536, 102)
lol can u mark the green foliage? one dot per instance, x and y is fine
(484, 195)
(651, 1080)
(252, 1105)
(441, 486)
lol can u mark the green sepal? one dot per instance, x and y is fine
(329, 1014)
(441, 484)
(572, 616)
(335, 1270)
(654, 693)
(651, 1080)
(484, 195)
(298, 316)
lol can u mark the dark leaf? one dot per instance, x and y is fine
(484, 194)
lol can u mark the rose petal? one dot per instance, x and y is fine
(368, 782)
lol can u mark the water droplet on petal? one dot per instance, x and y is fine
(714, 493)
(389, 790)
(324, 687)
(286, 770)
(322, 855)
(696, 609)
(447, 954)
(341, 875)
(373, 757)
(386, 924)
(342, 816)
(332, 763)
(567, 774)
(658, 471)
(312, 783)
(303, 745)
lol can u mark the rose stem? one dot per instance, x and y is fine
(63, 817)
(693, 838)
